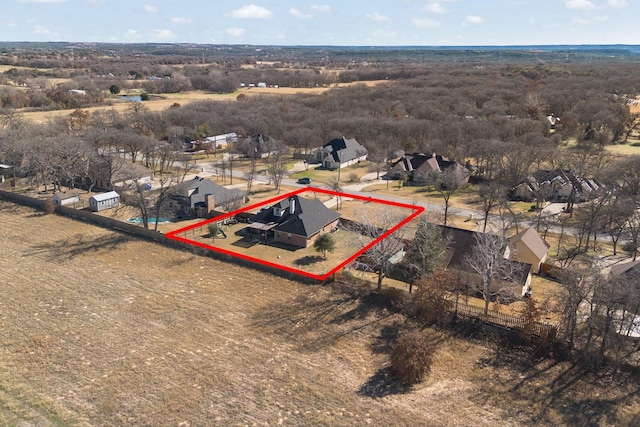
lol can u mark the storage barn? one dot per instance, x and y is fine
(104, 201)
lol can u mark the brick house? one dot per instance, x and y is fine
(294, 221)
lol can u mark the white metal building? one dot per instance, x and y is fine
(104, 201)
(66, 198)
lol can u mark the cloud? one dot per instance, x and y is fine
(251, 12)
(579, 5)
(320, 8)
(96, 2)
(472, 20)
(150, 8)
(181, 20)
(41, 31)
(375, 16)
(435, 8)
(132, 34)
(424, 23)
(299, 14)
(42, 1)
(236, 32)
(163, 34)
(617, 4)
(580, 21)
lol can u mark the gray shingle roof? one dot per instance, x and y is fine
(308, 218)
(221, 195)
(343, 150)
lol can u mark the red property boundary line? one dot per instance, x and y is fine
(417, 210)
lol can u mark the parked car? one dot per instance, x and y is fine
(305, 181)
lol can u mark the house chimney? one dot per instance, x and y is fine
(292, 206)
(210, 203)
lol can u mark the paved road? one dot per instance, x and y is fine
(494, 223)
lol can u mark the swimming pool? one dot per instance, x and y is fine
(138, 220)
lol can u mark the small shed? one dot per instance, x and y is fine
(104, 201)
(64, 198)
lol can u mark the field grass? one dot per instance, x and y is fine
(163, 101)
(624, 149)
(98, 328)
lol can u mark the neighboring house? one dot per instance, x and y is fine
(419, 167)
(626, 316)
(393, 250)
(258, 146)
(104, 201)
(222, 141)
(213, 142)
(528, 246)
(64, 198)
(198, 197)
(108, 173)
(341, 152)
(555, 186)
(462, 243)
(295, 221)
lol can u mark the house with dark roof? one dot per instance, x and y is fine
(528, 246)
(108, 173)
(625, 298)
(341, 152)
(418, 168)
(199, 197)
(294, 221)
(258, 146)
(461, 244)
(555, 186)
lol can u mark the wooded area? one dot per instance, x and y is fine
(504, 117)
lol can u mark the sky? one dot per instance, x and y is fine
(324, 22)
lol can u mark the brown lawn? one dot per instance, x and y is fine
(98, 328)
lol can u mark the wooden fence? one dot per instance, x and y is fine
(509, 321)
(155, 236)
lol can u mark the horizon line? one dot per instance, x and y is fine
(479, 46)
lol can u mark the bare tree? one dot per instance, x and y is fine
(447, 183)
(372, 224)
(495, 271)
(490, 194)
(335, 185)
(162, 196)
(251, 172)
(277, 168)
(425, 252)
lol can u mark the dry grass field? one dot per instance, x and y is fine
(98, 328)
(164, 101)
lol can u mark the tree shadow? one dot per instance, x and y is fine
(382, 384)
(308, 260)
(322, 317)
(554, 389)
(386, 339)
(372, 303)
(67, 249)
